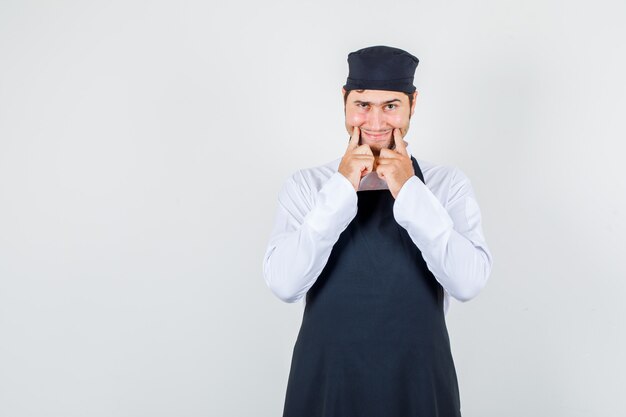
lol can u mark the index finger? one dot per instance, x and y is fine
(354, 139)
(400, 147)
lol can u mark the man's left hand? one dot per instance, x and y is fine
(395, 166)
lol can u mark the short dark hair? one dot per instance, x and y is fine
(345, 97)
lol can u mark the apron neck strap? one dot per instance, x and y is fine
(416, 168)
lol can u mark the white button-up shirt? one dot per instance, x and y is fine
(441, 216)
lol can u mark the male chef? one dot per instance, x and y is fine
(375, 243)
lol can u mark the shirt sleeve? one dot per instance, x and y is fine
(307, 225)
(450, 238)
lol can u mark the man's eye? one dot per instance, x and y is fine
(391, 106)
(362, 105)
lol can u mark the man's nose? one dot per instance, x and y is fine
(376, 119)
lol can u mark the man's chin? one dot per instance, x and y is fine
(376, 147)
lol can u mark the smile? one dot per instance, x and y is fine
(379, 135)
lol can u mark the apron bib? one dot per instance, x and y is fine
(373, 340)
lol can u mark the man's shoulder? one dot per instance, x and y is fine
(446, 182)
(314, 177)
(436, 173)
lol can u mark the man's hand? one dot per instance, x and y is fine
(358, 161)
(395, 166)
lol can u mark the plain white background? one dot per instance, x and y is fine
(143, 144)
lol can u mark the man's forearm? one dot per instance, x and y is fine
(299, 247)
(459, 259)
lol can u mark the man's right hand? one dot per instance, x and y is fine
(358, 161)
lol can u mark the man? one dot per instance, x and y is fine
(378, 242)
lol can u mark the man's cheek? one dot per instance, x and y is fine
(397, 121)
(356, 120)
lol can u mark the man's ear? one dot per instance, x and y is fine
(414, 101)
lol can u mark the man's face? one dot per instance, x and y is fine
(376, 113)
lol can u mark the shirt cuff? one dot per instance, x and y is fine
(419, 211)
(335, 207)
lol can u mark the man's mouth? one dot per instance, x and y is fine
(376, 135)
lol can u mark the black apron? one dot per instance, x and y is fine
(373, 340)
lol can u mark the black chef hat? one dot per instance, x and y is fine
(381, 68)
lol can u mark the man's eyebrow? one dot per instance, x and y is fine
(376, 104)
